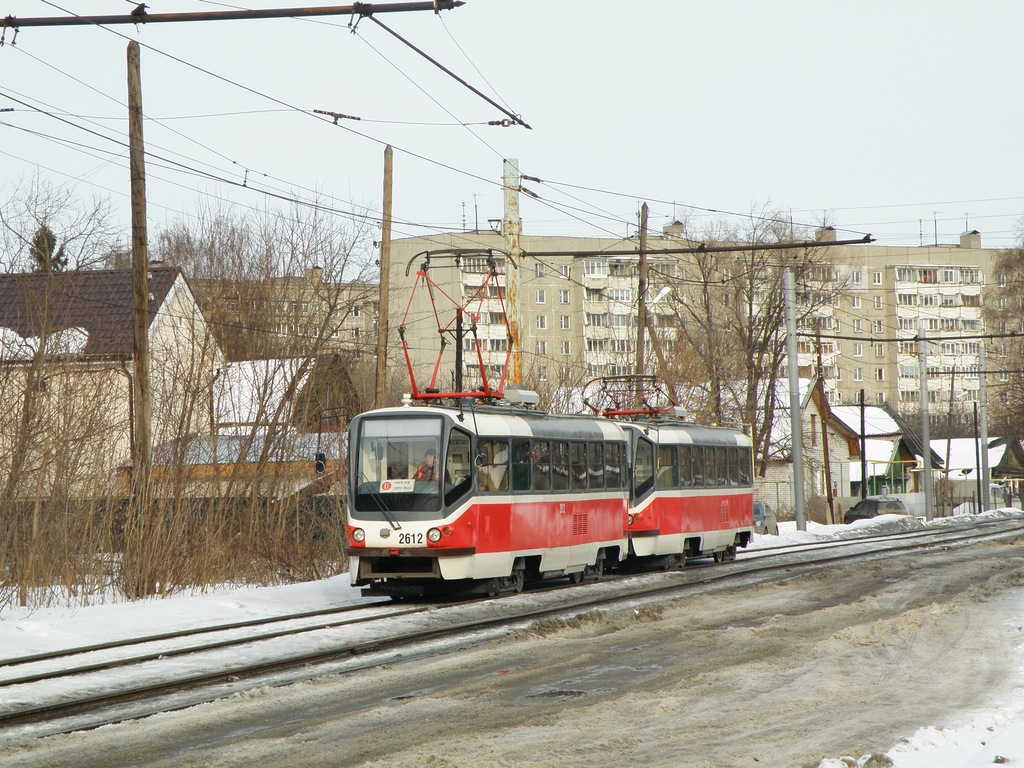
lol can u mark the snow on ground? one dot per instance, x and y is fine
(983, 738)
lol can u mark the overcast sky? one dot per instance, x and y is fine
(901, 119)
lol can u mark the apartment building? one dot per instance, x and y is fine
(578, 299)
(885, 296)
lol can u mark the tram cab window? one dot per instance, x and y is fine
(578, 465)
(613, 465)
(685, 466)
(492, 466)
(398, 460)
(542, 465)
(521, 480)
(595, 464)
(667, 474)
(643, 467)
(457, 469)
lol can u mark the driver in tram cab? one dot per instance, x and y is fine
(427, 471)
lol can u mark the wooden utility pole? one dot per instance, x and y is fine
(641, 299)
(143, 458)
(385, 281)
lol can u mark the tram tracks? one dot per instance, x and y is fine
(82, 695)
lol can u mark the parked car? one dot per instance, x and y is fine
(765, 521)
(865, 509)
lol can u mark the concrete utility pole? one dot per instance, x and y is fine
(986, 471)
(385, 282)
(795, 422)
(824, 432)
(143, 458)
(926, 435)
(511, 229)
(641, 299)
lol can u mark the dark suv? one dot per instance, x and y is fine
(865, 509)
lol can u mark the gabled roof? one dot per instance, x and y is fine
(99, 302)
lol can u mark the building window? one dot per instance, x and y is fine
(595, 268)
(879, 374)
(542, 347)
(563, 297)
(858, 350)
(878, 302)
(855, 302)
(858, 374)
(566, 347)
(542, 296)
(542, 322)
(876, 278)
(542, 373)
(879, 398)
(857, 326)
(564, 323)
(540, 269)
(879, 350)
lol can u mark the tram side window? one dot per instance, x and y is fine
(643, 469)
(542, 466)
(613, 465)
(685, 467)
(492, 466)
(521, 465)
(745, 466)
(578, 465)
(667, 470)
(734, 466)
(710, 473)
(457, 468)
(697, 459)
(560, 466)
(722, 463)
(595, 457)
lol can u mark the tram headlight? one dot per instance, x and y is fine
(433, 535)
(358, 535)
(630, 519)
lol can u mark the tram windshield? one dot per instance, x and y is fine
(399, 468)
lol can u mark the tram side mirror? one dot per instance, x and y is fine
(480, 460)
(320, 463)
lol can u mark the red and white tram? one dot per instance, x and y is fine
(485, 498)
(517, 495)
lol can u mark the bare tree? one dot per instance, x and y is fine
(730, 312)
(82, 233)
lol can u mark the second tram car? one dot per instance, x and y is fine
(483, 499)
(691, 493)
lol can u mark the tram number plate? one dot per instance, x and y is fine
(410, 538)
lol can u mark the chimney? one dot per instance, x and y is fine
(825, 235)
(674, 228)
(970, 239)
(315, 274)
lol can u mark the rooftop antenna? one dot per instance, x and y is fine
(463, 217)
(935, 221)
(920, 232)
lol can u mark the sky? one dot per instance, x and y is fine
(975, 742)
(895, 119)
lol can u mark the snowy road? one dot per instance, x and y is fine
(848, 661)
